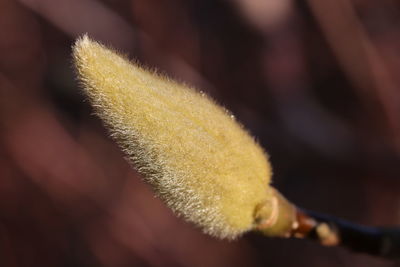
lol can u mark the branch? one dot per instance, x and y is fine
(331, 231)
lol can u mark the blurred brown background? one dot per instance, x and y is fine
(317, 83)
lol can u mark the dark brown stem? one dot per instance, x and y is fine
(331, 231)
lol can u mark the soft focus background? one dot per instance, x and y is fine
(317, 82)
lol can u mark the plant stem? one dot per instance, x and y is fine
(331, 231)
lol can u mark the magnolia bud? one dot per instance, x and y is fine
(196, 156)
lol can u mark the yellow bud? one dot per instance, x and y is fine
(194, 153)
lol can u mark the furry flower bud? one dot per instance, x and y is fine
(197, 157)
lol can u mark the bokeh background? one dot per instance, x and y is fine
(316, 82)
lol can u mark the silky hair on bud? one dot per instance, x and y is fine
(197, 157)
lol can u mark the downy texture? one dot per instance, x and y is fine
(198, 159)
